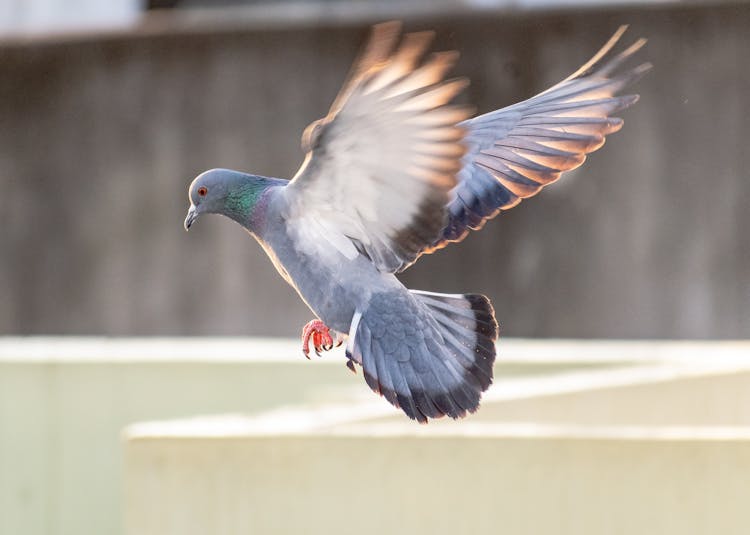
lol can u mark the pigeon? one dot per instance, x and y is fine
(395, 170)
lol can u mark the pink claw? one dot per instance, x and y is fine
(320, 335)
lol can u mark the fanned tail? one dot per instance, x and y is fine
(429, 354)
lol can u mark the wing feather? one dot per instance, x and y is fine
(382, 163)
(515, 151)
(399, 170)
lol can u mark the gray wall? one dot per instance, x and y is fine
(100, 137)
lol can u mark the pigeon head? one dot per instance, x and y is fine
(223, 191)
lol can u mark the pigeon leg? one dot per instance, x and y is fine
(318, 332)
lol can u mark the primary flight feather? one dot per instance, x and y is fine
(394, 171)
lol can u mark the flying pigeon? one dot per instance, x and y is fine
(397, 170)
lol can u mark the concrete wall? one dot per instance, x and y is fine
(99, 138)
(612, 470)
(64, 403)
(443, 485)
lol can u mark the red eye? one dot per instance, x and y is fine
(202, 191)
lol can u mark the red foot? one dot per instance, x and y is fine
(320, 335)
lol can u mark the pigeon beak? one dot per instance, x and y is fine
(192, 215)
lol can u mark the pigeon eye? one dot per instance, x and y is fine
(202, 191)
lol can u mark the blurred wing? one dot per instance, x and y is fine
(381, 165)
(515, 151)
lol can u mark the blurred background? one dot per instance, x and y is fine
(109, 109)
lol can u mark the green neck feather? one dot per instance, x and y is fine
(241, 200)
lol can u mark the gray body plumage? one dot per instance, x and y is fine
(395, 171)
(332, 285)
(394, 335)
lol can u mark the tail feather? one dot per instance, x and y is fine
(473, 341)
(429, 354)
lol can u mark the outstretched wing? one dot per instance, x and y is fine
(381, 165)
(515, 151)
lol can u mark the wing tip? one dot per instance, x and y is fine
(591, 66)
(386, 28)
